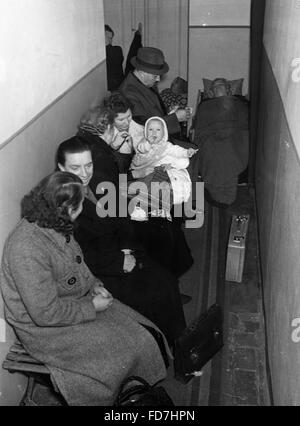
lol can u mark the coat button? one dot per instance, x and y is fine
(68, 238)
(72, 281)
(78, 259)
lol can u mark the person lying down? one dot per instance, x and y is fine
(155, 150)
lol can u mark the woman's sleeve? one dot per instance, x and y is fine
(101, 241)
(34, 278)
(172, 123)
(127, 234)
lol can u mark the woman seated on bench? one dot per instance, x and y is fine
(113, 254)
(61, 313)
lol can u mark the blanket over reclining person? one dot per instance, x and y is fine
(221, 129)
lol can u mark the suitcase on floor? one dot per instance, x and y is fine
(236, 248)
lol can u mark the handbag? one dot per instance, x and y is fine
(141, 394)
(198, 344)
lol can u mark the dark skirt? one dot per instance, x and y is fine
(153, 292)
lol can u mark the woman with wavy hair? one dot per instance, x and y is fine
(61, 313)
(124, 125)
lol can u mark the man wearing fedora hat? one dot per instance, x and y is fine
(139, 87)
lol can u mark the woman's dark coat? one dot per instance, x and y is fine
(149, 288)
(164, 241)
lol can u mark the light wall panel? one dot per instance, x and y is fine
(278, 200)
(281, 40)
(217, 52)
(220, 12)
(46, 46)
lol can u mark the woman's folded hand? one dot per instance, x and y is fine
(129, 263)
(121, 138)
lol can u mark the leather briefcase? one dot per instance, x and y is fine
(198, 344)
(141, 393)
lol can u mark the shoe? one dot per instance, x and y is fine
(185, 298)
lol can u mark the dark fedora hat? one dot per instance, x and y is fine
(151, 60)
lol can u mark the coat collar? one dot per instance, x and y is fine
(135, 80)
(57, 238)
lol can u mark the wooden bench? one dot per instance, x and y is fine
(18, 360)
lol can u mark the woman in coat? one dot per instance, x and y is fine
(163, 240)
(61, 313)
(112, 253)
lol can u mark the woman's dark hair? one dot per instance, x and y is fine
(117, 103)
(74, 145)
(48, 204)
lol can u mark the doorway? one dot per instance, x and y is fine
(165, 26)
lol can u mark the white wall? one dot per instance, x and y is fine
(165, 26)
(167, 29)
(219, 42)
(46, 46)
(121, 18)
(281, 40)
(220, 12)
(278, 195)
(28, 155)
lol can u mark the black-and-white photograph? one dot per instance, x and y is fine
(150, 180)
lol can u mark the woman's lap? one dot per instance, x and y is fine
(89, 360)
(153, 292)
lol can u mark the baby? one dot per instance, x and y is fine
(155, 150)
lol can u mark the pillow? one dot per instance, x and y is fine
(236, 87)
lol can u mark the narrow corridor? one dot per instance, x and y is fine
(237, 376)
